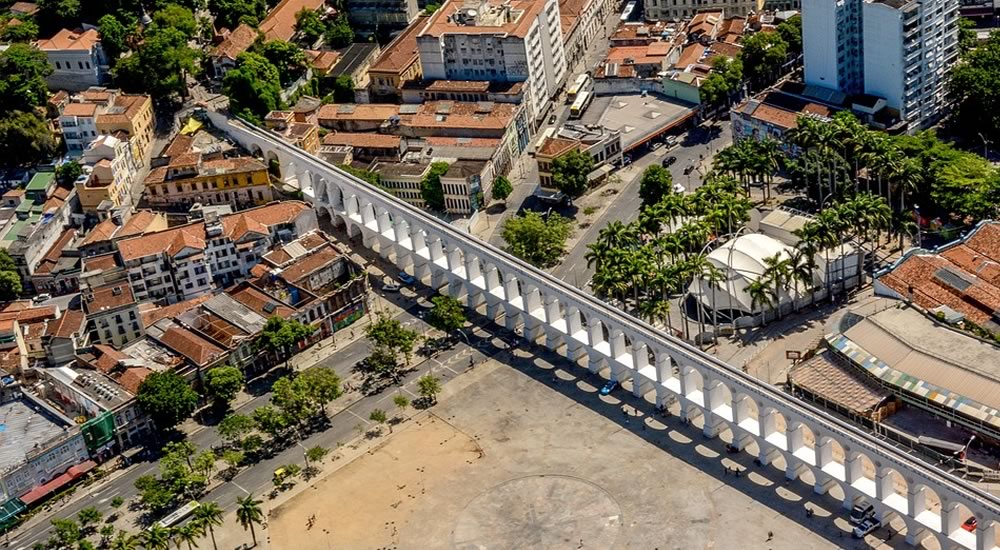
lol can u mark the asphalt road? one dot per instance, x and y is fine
(257, 478)
(696, 144)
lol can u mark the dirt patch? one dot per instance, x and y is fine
(368, 502)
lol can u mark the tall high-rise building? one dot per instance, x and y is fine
(898, 50)
(509, 41)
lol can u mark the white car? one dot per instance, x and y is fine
(390, 287)
(678, 188)
(41, 298)
(865, 527)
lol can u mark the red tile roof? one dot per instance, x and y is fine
(132, 378)
(163, 241)
(109, 358)
(259, 219)
(402, 52)
(69, 324)
(108, 297)
(153, 315)
(384, 141)
(257, 300)
(236, 42)
(71, 40)
(195, 348)
(280, 22)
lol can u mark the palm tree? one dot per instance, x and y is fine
(248, 513)
(769, 162)
(157, 537)
(906, 179)
(760, 295)
(777, 270)
(125, 541)
(713, 276)
(188, 534)
(208, 516)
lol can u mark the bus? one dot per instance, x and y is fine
(582, 84)
(179, 514)
(580, 104)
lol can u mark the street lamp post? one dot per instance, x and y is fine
(986, 150)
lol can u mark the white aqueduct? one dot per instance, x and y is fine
(811, 444)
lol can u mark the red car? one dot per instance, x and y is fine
(970, 524)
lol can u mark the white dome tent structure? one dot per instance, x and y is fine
(741, 260)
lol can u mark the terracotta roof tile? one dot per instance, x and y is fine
(260, 302)
(104, 262)
(132, 378)
(259, 219)
(152, 316)
(109, 358)
(108, 297)
(280, 22)
(69, 324)
(80, 109)
(238, 41)
(155, 243)
(195, 348)
(70, 40)
(402, 52)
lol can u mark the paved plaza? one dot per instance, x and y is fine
(524, 455)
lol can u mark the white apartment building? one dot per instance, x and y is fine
(402, 179)
(513, 41)
(909, 50)
(894, 49)
(113, 173)
(188, 261)
(77, 59)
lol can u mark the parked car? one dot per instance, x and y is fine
(390, 287)
(689, 169)
(866, 526)
(970, 524)
(861, 511)
(669, 161)
(41, 298)
(406, 278)
(609, 387)
(678, 188)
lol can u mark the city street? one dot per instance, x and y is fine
(342, 429)
(695, 146)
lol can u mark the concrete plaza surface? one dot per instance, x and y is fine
(521, 455)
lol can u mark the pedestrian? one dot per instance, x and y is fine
(770, 535)
(725, 470)
(737, 472)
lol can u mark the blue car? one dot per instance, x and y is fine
(609, 387)
(406, 278)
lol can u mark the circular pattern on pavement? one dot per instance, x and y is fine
(542, 511)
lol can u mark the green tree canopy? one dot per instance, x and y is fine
(429, 386)
(10, 285)
(447, 314)
(19, 30)
(230, 13)
(975, 87)
(114, 37)
(288, 58)
(367, 175)
(6, 262)
(339, 33)
(309, 23)
(223, 383)
(56, 14)
(25, 139)
(253, 87)
(67, 172)
(762, 55)
(390, 334)
(569, 172)
(725, 78)
(178, 17)
(655, 184)
(23, 69)
(159, 65)
(791, 33)
(234, 427)
(281, 335)
(502, 188)
(537, 240)
(167, 398)
(430, 187)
